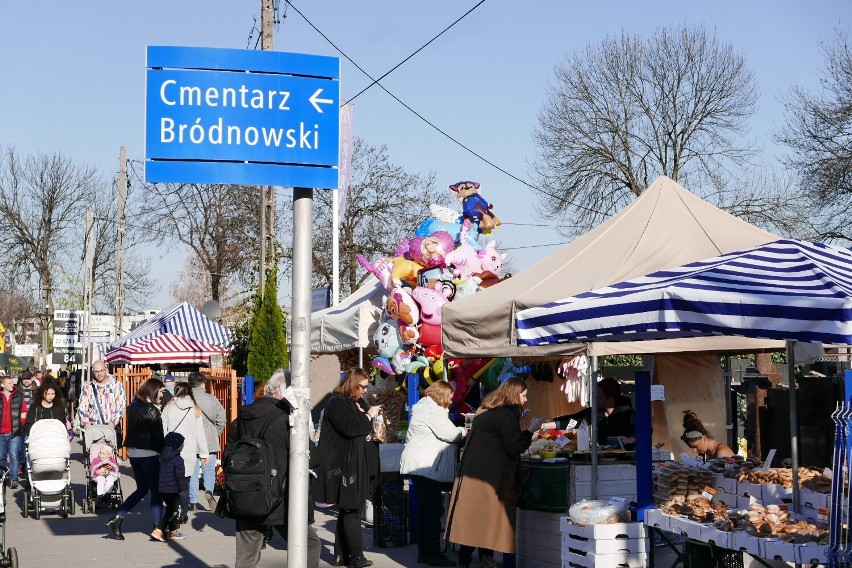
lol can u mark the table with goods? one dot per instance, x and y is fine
(715, 512)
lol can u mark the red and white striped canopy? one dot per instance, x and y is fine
(165, 348)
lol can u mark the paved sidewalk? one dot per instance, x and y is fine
(82, 541)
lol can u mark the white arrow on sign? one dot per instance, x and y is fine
(314, 100)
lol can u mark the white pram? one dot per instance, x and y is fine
(48, 469)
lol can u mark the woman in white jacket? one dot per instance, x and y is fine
(429, 458)
(181, 414)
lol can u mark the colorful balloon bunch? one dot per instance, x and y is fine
(442, 262)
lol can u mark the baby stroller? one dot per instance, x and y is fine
(8, 557)
(95, 437)
(48, 469)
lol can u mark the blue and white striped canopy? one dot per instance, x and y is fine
(784, 290)
(184, 320)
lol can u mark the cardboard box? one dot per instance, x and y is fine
(775, 549)
(589, 560)
(746, 543)
(746, 489)
(655, 518)
(772, 493)
(745, 502)
(814, 500)
(604, 546)
(721, 539)
(812, 554)
(726, 484)
(604, 532)
(686, 527)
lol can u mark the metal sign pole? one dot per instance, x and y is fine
(300, 341)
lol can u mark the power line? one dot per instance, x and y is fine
(434, 126)
(395, 67)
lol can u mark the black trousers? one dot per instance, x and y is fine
(466, 552)
(348, 539)
(430, 507)
(169, 522)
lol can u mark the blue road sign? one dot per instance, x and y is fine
(242, 117)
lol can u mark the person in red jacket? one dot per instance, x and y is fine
(13, 416)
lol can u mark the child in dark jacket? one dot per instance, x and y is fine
(173, 482)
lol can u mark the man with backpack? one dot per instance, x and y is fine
(255, 466)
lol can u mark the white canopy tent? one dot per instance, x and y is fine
(351, 323)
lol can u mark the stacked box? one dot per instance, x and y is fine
(390, 516)
(604, 546)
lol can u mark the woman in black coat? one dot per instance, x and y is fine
(144, 442)
(344, 477)
(48, 403)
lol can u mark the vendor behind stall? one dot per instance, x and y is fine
(616, 417)
(696, 436)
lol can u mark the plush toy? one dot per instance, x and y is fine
(474, 207)
(402, 307)
(393, 356)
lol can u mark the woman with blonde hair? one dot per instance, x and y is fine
(182, 415)
(429, 457)
(482, 507)
(344, 477)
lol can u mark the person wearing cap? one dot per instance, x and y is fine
(173, 483)
(169, 393)
(13, 416)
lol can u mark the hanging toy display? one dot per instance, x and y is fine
(441, 262)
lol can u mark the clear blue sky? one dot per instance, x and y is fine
(73, 75)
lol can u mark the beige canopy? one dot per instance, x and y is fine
(667, 226)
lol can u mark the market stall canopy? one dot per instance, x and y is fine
(183, 320)
(14, 364)
(784, 290)
(666, 226)
(164, 348)
(350, 323)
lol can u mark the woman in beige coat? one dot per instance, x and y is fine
(183, 415)
(482, 506)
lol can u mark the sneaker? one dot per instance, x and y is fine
(14, 484)
(175, 535)
(157, 534)
(191, 507)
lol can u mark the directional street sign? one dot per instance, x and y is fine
(68, 336)
(242, 117)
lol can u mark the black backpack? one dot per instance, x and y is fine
(253, 486)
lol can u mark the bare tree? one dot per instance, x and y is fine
(219, 224)
(818, 132)
(627, 110)
(43, 200)
(18, 304)
(384, 204)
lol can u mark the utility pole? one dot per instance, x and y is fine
(88, 284)
(267, 193)
(45, 321)
(119, 268)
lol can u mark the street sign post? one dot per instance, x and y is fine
(241, 117)
(67, 336)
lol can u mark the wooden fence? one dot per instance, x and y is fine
(221, 383)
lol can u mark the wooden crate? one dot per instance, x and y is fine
(538, 540)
